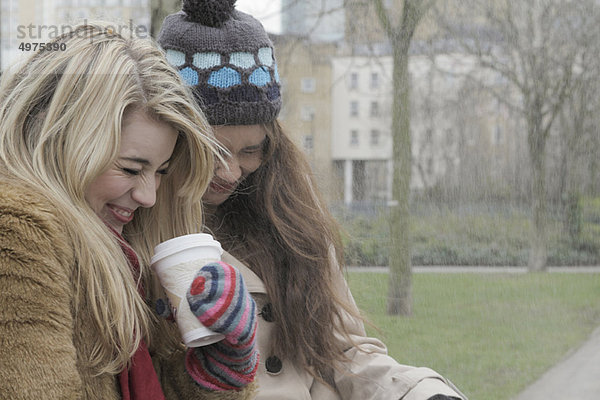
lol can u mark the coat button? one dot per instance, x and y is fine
(273, 365)
(267, 312)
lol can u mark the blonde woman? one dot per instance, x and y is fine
(103, 154)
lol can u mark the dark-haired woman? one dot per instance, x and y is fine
(262, 205)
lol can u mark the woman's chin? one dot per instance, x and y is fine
(215, 199)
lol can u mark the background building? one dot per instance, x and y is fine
(318, 20)
(305, 68)
(461, 135)
(361, 123)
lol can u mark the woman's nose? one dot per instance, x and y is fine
(145, 193)
(230, 172)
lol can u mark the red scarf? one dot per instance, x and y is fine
(140, 380)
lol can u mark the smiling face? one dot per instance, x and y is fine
(246, 145)
(131, 182)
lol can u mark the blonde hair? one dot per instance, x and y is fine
(60, 128)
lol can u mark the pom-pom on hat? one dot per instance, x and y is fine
(227, 58)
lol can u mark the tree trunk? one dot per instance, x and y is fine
(159, 9)
(538, 257)
(594, 189)
(400, 33)
(570, 195)
(400, 277)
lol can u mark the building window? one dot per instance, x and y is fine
(375, 137)
(307, 113)
(374, 80)
(497, 138)
(81, 13)
(308, 143)
(429, 135)
(353, 138)
(354, 108)
(353, 84)
(374, 110)
(449, 136)
(308, 85)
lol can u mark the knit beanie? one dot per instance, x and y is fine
(227, 58)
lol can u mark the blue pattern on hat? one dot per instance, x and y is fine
(206, 60)
(242, 59)
(224, 78)
(265, 55)
(175, 57)
(260, 77)
(276, 74)
(189, 76)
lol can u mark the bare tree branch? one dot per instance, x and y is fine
(384, 19)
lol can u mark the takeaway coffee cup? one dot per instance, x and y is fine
(176, 262)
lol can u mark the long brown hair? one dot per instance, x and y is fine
(277, 223)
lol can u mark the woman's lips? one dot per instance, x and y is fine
(121, 214)
(220, 187)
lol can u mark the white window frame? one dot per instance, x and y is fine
(374, 83)
(354, 138)
(308, 85)
(308, 143)
(374, 109)
(354, 108)
(353, 81)
(375, 138)
(307, 113)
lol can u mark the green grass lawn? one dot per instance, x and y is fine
(491, 334)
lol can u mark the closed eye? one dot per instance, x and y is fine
(254, 149)
(130, 171)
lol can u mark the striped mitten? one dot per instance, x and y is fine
(220, 300)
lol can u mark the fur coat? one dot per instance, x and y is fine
(43, 342)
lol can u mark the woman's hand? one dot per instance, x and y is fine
(221, 302)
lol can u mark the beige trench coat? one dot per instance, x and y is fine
(371, 374)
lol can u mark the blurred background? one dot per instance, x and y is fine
(441, 133)
(499, 120)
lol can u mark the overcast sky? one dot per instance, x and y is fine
(266, 11)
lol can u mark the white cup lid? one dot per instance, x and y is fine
(177, 244)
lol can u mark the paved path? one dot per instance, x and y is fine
(577, 377)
